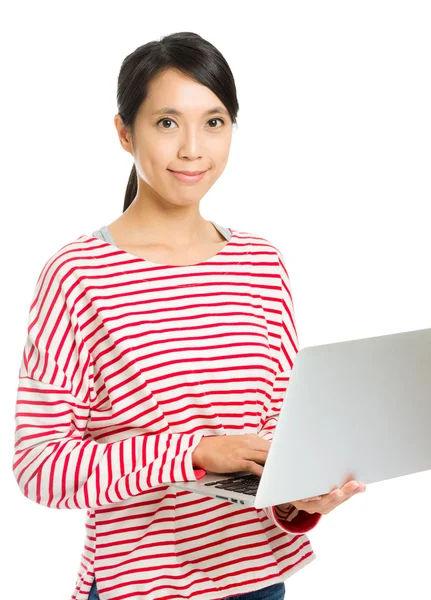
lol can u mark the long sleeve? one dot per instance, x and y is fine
(54, 464)
(289, 347)
(291, 519)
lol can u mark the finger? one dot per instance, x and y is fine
(331, 500)
(353, 487)
(336, 496)
(349, 477)
(323, 506)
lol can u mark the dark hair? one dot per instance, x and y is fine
(186, 52)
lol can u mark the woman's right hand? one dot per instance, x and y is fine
(231, 453)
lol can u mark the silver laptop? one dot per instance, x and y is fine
(359, 409)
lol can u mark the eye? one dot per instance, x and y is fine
(216, 119)
(172, 121)
(165, 119)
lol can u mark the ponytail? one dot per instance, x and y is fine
(132, 188)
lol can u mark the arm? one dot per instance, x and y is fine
(54, 464)
(285, 516)
(288, 349)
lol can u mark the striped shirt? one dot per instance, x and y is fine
(126, 365)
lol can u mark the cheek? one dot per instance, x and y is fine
(154, 161)
(219, 150)
(163, 154)
(219, 158)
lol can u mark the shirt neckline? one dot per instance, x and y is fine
(135, 257)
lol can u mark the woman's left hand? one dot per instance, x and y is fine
(324, 504)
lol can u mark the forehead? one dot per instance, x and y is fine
(181, 95)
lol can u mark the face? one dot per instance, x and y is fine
(188, 138)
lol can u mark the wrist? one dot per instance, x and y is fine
(284, 507)
(196, 456)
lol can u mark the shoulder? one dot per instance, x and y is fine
(272, 252)
(69, 258)
(261, 242)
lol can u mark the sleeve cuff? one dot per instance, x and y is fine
(199, 473)
(294, 520)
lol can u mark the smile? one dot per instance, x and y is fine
(187, 178)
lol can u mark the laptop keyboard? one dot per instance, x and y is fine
(244, 484)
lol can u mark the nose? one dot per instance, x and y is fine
(191, 145)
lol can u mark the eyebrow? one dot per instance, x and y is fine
(174, 111)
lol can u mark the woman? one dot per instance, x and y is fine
(161, 346)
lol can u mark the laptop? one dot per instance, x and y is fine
(358, 409)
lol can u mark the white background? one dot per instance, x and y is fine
(330, 161)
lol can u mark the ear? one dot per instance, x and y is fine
(124, 134)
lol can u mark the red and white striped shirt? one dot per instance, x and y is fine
(127, 364)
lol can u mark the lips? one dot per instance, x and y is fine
(187, 172)
(188, 176)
